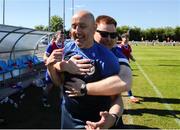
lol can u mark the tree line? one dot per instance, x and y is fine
(161, 34)
(135, 33)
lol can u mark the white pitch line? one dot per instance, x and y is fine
(157, 91)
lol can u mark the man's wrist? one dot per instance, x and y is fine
(83, 89)
(64, 66)
(48, 63)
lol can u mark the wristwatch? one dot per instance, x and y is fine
(116, 120)
(83, 90)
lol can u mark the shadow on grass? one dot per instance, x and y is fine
(140, 112)
(135, 75)
(137, 127)
(159, 100)
(160, 65)
(169, 65)
(133, 69)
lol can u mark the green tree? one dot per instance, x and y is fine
(142, 35)
(135, 34)
(153, 34)
(177, 34)
(160, 34)
(56, 23)
(150, 34)
(169, 32)
(122, 29)
(40, 27)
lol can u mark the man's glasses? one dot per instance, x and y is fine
(105, 34)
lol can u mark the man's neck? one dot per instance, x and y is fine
(87, 45)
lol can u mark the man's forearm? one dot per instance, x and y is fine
(112, 85)
(117, 106)
(109, 86)
(126, 75)
(55, 76)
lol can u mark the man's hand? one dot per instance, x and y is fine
(74, 87)
(55, 56)
(107, 120)
(77, 65)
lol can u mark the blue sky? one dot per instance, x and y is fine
(140, 13)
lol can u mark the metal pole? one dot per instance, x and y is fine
(63, 15)
(72, 7)
(49, 20)
(3, 11)
(49, 27)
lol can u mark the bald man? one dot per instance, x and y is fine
(95, 70)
